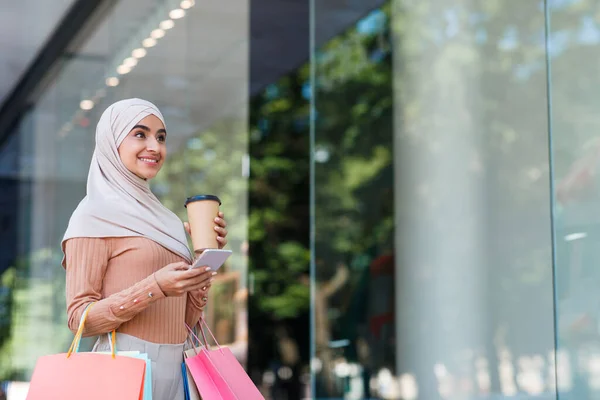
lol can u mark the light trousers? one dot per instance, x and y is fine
(167, 380)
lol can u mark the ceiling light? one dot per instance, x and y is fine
(130, 62)
(157, 33)
(185, 4)
(123, 69)
(575, 236)
(177, 13)
(112, 81)
(139, 53)
(86, 105)
(149, 42)
(167, 24)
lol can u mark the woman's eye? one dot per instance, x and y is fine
(162, 138)
(140, 135)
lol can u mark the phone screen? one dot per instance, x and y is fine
(212, 258)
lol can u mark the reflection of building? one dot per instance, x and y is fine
(442, 262)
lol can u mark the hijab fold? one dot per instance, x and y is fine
(118, 203)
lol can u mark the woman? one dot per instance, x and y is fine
(128, 254)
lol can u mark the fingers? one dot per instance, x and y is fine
(203, 291)
(194, 286)
(221, 231)
(203, 274)
(220, 220)
(196, 273)
(180, 266)
(206, 288)
(200, 288)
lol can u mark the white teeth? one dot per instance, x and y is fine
(149, 160)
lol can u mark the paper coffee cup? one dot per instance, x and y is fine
(202, 210)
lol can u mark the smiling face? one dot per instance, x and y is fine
(144, 150)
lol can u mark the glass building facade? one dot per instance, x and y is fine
(411, 187)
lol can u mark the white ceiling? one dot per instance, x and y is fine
(25, 25)
(197, 74)
(199, 68)
(207, 52)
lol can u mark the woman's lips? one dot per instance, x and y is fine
(149, 161)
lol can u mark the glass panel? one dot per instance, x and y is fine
(433, 249)
(279, 222)
(279, 237)
(574, 50)
(202, 89)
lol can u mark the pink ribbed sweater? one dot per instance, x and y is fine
(118, 274)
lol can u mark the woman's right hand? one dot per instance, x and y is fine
(178, 278)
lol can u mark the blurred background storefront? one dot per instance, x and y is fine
(411, 187)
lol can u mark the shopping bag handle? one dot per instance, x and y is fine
(209, 331)
(192, 336)
(74, 348)
(199, 324)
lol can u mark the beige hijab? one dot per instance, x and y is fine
(118, 202)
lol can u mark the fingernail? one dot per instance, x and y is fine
(214, 273)
(204, 288)
(207, 269)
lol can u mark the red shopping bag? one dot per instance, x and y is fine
(90, 376)
(217, 373)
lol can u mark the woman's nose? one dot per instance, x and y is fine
(152, 145)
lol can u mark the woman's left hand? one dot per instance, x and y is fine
(220, 228)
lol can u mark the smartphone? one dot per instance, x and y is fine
(212, 258)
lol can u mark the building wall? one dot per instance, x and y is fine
(410, 188)
(454, 202)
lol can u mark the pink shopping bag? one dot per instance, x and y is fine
(90, 376)
(217, 373)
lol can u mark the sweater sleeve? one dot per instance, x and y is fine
(86, 263)
(194, 307)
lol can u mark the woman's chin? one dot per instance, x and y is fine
(146, 176)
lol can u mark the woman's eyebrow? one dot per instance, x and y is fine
(145, 128)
